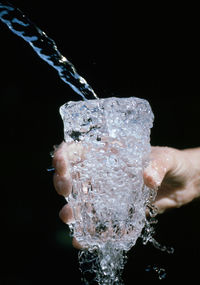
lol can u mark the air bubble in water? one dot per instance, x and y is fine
(109, 198)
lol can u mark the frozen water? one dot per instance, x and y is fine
(109, 198)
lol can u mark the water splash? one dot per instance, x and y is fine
(45, 48)
(161, 272)
(98, 262)
(108, 197)
(148, 235)
(102, 266)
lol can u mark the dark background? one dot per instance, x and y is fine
(121, 50)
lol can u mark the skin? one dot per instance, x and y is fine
(173, 173)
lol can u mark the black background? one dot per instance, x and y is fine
(121, 50)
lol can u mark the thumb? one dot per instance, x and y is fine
(161, 162)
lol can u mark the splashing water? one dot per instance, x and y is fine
(108, 220)
(161, 273)
(45, 48)
(109, 198)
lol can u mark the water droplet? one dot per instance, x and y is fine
(50, 169)
(161, 272)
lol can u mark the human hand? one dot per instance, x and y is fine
(175, 174)
(65, 155)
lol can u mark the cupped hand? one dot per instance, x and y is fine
(173, 173)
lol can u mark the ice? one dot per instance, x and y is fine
(108, 198)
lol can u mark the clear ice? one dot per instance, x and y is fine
(108, 198)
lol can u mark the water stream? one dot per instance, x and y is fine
(45, 48)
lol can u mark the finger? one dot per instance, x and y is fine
(152, 177)
(67, 153)
(66, 214)
(161, 162)
(62, 184)
(164, 204)
(60, 159)
(76, 244)
(64, 155)
(62, 178)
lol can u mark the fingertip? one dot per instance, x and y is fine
(60, 165)
(164, 204)
(60, 160)
(76, 244)
(152, 177)
(66, 214)
(62, 185)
